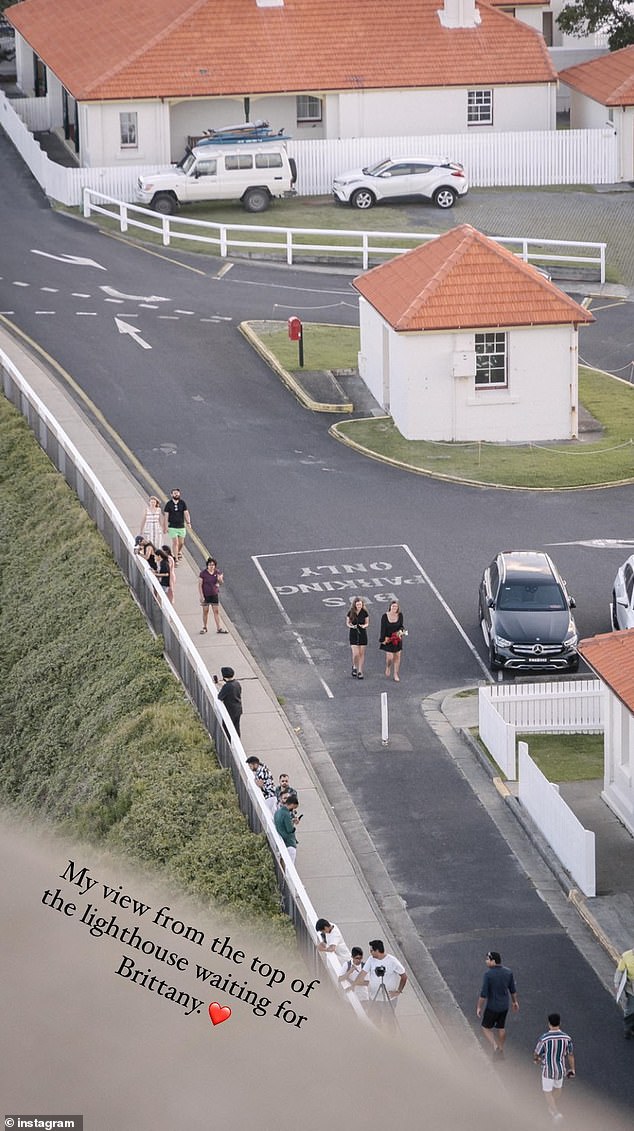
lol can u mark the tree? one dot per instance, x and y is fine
(582, 17)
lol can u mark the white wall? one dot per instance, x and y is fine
(371, 113)
(100, 137)
(618, 785)
(24, 65)
(427, 402)
(585, 113)
(190, 117)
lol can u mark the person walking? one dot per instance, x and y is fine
(176, 519)
(151, 526)
(358, 621)
(230, 695)
(172, 568)
(624, 989)
(163, 571)
(209, 581)
(391, 639)
(498, 984)
(285, 824)
(264, 781)
(555, 1052)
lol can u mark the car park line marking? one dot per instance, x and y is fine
(45, 312)
(304, 306)
(77, 294)
(600, 543)
(18, 284)
(55, 290)
(288, 287)
(606, 306)
(184, 311)
(270, 588)
(86, 313)
(224, 271)
(449, 613)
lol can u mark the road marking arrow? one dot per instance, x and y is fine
(74, 260)
(133, 298)
(133, 331)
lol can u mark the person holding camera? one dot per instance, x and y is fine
(385, 979)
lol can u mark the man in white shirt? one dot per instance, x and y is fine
(386, 980)
(332, 940)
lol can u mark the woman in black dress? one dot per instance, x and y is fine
(391, 639)
(357, 620)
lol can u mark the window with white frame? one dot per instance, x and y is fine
(491, 350)
(480, 107)
(128, 129)
(309, 108)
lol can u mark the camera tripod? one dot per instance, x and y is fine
(384, 1010)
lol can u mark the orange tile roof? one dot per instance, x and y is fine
(608, 79)
(519, 3)
(611, 656)
(197, 48)
(463, 280)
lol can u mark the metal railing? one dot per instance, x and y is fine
(292, 243)
(177, 645)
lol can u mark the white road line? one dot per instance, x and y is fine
(7, 312)
(312, 663)
(45, 312)
(148, 306)
(305, 306)
(270, 588)
(287, 287)
(86, 313)
(224, 270)
(331, 550)
(438, 595)
(177, 311)
(169, 317)
(119, 300)
(78, 294)
(17, 284)
(55, 290)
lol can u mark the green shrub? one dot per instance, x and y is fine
(95, 733)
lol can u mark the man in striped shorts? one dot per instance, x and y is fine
(555, 1053)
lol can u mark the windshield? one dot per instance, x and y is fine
(188, 162)
(376, 170)
(543, 598)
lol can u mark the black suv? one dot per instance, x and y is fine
(524, 612)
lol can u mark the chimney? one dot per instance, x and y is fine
(458, 13)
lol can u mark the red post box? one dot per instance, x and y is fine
(295, 328)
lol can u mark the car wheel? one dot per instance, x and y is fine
(494, 663)
(445, 197)
(164, 203)
(362, 198)
(256, 200)
(615, 619)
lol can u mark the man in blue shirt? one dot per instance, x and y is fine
(498, 985)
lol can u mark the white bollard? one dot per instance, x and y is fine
(384, 721)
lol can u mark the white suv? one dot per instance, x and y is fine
(403, 178)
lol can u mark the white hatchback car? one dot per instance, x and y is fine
(623, 596)
(403, 178)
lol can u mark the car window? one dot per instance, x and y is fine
(494, 577)
(629, 581)
(206, 169)
(519, 595)
(397, 171)
(376, 170)
(422, 169)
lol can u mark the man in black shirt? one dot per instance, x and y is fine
(498, 985)
(231, 695)
(175, 522)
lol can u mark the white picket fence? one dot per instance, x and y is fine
(570, 841)
(566, 707)
(557, 157)
(543, 157)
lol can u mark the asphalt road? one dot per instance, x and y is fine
(299, 524)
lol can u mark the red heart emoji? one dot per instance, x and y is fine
(219, 1013)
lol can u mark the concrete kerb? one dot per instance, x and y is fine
(326, 857)
(291, 382)
(443, 700)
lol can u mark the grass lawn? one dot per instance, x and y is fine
(572, 464)
(566, 757)
(325, 347)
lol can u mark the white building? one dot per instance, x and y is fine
(461, 340)
(611, 657)
(602, 91)
(134, 89)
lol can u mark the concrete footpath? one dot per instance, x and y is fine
(325, 863)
